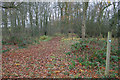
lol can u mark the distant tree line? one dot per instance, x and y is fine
(33, 19)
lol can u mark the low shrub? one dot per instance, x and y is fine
(45, 38)
(59, 34)
(3, 51)
(94, 54)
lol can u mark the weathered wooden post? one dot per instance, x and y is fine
(108, 54)
(118, 33)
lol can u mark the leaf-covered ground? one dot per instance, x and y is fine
(44, 60)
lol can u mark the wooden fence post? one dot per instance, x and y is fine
(108, 54)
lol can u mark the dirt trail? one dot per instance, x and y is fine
(31, 61)
(44, 60)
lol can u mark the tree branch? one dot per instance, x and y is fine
(13, 6)
(106, 7)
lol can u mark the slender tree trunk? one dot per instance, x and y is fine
(6, 33)
(46, 26)
(15, 19)
(30, 16)
(6, 20)
(61, 20)
(37, 25)
(18, 20)
(12, 21)
(23, 23)
(41, 24)
(84, 19)
(36, 16)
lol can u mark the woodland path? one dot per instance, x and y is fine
(34, 61)
(44, 60)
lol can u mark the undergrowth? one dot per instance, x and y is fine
(91, 53)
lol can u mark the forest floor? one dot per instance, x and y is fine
(44, 60)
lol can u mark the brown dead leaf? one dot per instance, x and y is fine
(17, 64)
(57, 71)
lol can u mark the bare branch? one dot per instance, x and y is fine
(11, 6)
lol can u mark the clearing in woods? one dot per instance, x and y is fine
(44, 60)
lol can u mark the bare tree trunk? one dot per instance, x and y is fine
(18, 20)
(23, 20)
(6, 20)
(37, 25)
(15, 19)
(84, 19)
(5, 29)
(61, 20)
(61, 6)
(30, 16)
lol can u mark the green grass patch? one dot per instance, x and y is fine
(52, 56)
(45, 38)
